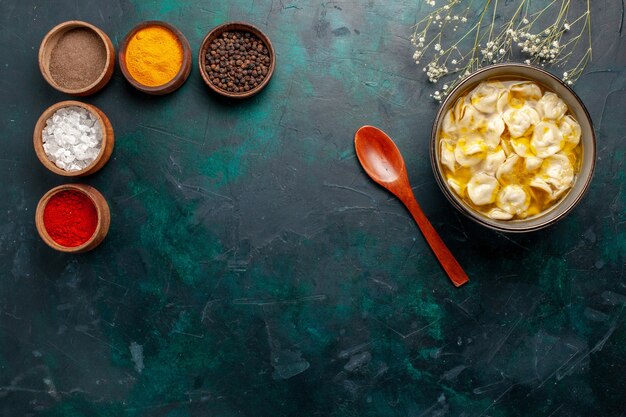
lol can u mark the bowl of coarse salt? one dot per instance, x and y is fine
(73, 139)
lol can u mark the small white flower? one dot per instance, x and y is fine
(464, 19)
(525, 21)
(421, 39)
(445, 87)
(566, 26)
(527, 62)
(501, 51)
(454, 62)
(437, 47)
(565, 74)
(569, 82)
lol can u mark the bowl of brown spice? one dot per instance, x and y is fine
(76, 58)
(236, 60)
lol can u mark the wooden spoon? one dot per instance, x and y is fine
(383, 162)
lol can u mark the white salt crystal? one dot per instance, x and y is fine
(72, 139)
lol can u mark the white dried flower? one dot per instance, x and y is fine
(541, 47)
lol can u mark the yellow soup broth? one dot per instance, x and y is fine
(510, 149)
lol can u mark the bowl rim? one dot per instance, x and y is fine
(183, 72)
(479, 218)
(241, 26)
(67, 26)
(41, 227)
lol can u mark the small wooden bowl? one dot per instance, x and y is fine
(178, 80)
(52, 38)
(229, 27)
(102, 227)
(106, 148)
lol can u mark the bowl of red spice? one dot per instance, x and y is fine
(236, 60)
(73, 218)
(77, 58)
(155, 57)
(73, 139)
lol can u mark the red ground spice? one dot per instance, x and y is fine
(70, 218)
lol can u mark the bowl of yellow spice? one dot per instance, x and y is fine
(155, 57)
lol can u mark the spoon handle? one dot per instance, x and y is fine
(446, 259)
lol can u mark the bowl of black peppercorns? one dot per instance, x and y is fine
(236, 60)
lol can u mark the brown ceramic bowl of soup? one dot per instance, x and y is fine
(513, 148)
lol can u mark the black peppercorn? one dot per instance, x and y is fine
(237, 61)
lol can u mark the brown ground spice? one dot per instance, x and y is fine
(78, 59)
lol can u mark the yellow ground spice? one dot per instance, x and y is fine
(154, 56)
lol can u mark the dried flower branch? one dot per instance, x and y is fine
(536, 36)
